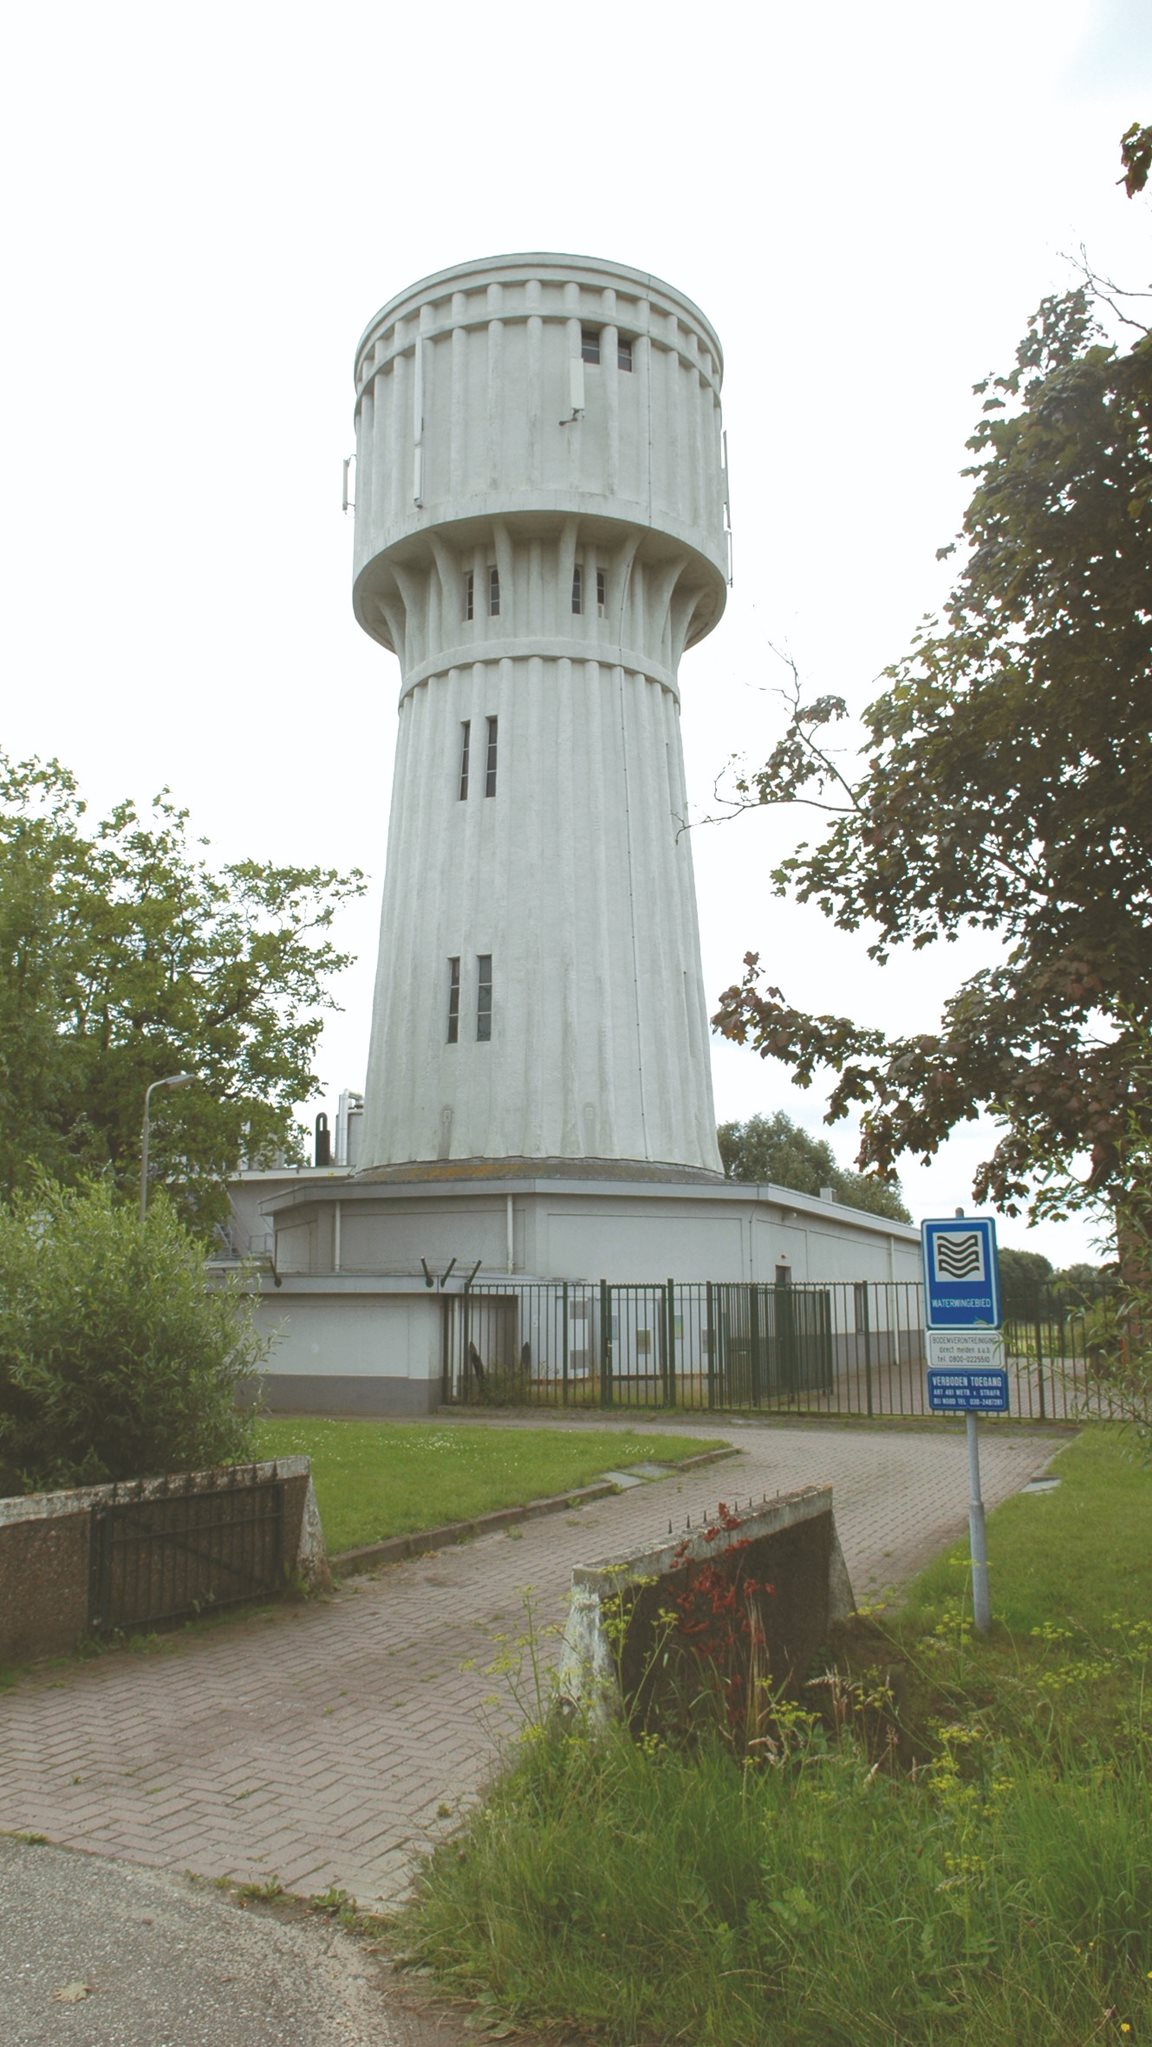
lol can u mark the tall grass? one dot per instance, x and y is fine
(1067, 1556)
(986, 1880)
(658, 1896)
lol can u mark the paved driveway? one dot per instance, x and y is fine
(328, 1744)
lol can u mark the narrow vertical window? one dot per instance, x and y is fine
(578, 588)
(624, 352)
(490, 763)
(483, 997)
(465, 733)
(493, 593)
(601, 593)
(453, 1001)
(469, 594)
(590, 344)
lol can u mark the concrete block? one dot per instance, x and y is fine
(790, 1543)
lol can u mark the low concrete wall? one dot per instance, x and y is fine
(791, 1540)
(45, 1550)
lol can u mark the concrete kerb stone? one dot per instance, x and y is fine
(397, 1548)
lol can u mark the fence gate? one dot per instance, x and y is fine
(772, 1343)
(838, 1347)
(180, 1553)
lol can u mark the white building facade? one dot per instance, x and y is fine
(375, 1279)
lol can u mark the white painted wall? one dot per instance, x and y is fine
(344, 1333)
(249, 1230)
(395, 1240)
(567, 1230)
(703, 1237)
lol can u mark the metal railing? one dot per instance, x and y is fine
(163, 1556)
(837, 1348)
(1059, 1363)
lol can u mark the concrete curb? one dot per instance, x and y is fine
(398, 1547)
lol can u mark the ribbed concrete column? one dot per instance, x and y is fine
(540, 533)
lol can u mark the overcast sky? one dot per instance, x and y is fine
(206, 206)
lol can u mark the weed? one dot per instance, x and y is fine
(520, 1662)
(332, 1901)
(691, 1647)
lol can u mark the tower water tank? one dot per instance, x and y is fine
(540, 534)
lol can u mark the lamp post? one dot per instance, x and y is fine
(170, 1080)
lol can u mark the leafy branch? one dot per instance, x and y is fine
(1005, 785)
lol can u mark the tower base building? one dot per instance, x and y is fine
(378, 1290)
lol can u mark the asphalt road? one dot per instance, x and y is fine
(97, 1954)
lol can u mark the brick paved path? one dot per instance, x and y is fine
(327, 1744)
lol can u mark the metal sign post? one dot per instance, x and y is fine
(977, 1537)
(966, 1375)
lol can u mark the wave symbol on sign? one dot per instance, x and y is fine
(958, 1257)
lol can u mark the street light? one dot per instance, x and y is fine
(170, 1080)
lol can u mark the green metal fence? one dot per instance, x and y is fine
(841, 1348)
(1051, 1341)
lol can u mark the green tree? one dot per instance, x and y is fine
(1023, 1277)
(116, 1359)
(1005, 785)
(1081, 1284)
(776, 1149)
(124, 957)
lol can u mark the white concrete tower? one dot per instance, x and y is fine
(540, 533)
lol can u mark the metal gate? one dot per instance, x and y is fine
(772, 1344)
(660, 1344)
(175, 1554)
(838, 1348)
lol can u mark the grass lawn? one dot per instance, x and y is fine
(375, 1479)
(1068, 1556)
(987, 1881)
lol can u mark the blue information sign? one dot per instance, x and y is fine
(968, 1392)
(961, 1277)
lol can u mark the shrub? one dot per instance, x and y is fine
(117, 1359)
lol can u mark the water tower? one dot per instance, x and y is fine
(541, 532)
